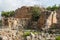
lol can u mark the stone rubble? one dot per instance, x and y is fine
(6, 34)
(42, 36)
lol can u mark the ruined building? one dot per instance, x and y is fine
(23, 18)
(25, 14)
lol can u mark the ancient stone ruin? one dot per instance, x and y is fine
(23, 17)
(23, 20)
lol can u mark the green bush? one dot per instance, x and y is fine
(58, 38)
(7, 14)
(54, 7)
(35, 13)
(26, 34)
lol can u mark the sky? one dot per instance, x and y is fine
(7, 5)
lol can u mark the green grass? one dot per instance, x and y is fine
(27, 33)
(58, 38)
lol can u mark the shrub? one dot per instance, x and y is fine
(58, 38)
(36, 13)
(26, 34)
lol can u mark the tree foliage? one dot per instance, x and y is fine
(7, 14)
(36, 13)
(53, 8)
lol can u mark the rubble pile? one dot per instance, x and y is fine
(7, 34)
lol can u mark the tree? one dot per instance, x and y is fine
(11, 13)
(35, 13)
(59, 6)
(7, 14)
(48, 8)
(52, 8)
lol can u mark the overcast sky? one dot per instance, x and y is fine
(6, 5)
(13, 4)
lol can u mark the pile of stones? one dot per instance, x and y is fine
(41, 36)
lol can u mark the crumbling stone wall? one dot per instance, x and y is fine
(47, 19)
(42, 19)
(4, 21)
(23, 12)
(16, 23)
(25, 22)
(58, 17)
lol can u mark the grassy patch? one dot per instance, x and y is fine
(26, 34)
(58, 38)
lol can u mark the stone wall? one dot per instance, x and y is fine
(51, 20)
(58, 17)
(47, 19)
(4, 21)
(43, 18)
(23, 12)
(16, 22)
